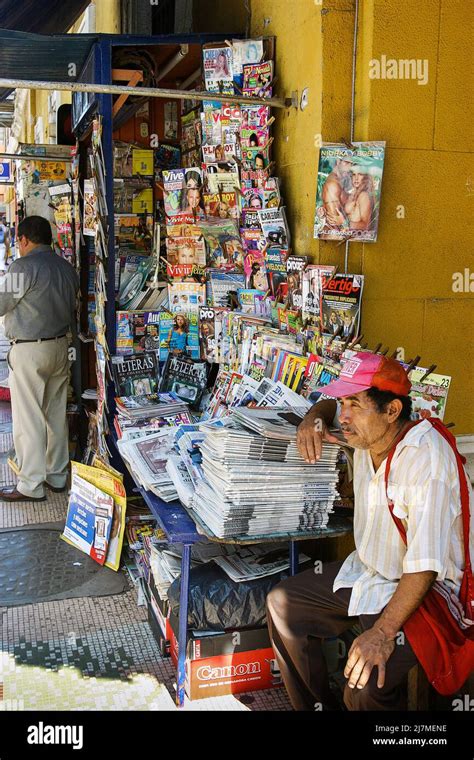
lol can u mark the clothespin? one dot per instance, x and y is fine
(450, 425)
(269, 122)
(377, 348)
(239, 191)
(348, 144)
(269, 167)
(364, 345)
(160, 187)
(355, 341)
(413, 363)
(236, 86)
(267, 144)
(227, 42)
(237, 160)
(267, 294)
(428, 372)
(384, 353)
(394, 355)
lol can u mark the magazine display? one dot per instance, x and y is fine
(136, 374)
(341, 303)
(348, 191)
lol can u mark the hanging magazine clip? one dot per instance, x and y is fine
(412, 363)
(237, 160)
(355, 341)
(450, 425)
(348, 144)
(269, 122)
(239, 191)
(377, 348)
(428, 372)
(269, 167)
(268, 143)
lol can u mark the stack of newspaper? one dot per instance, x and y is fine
(145, 415)
(146, 458)
(256, 484)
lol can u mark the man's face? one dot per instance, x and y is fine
(22, 244)
(344, 166)
(362, 424)
(347, 320)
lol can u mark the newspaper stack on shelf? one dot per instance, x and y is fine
(146, 458)
(257, 484)
(145, 415)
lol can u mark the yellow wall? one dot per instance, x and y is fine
(429, 168)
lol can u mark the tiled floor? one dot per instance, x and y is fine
(86, 653)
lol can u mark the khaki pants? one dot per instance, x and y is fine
(301, 612)
(38, 386)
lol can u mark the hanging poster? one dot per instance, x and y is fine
(348, 191)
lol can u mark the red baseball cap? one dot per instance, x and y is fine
(365, 370)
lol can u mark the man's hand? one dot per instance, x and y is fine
(369, 649)
(311, 433)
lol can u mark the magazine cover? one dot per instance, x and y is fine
(222, 177)
(210, 332)
(218, 73)
(257, 78)
(186, 297)
(134, 279)
(254, 137)
(223, 205)
(89, 519)
(135, 375)
(137, 331)
(341, 303)
(222, 153)
(220, 284)
(179, 334)
(224, 246)
(133, 232)
(245, 52)
(186, 378)
(275, 260)
(89, 223)
(275, 228)
(294, 274)
(312, 288)
(253, 301)
(184, 256)
(182, 195)
(256, 271)
(348, 191)
(429, 396)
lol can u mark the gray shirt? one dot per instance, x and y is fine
(38, 296)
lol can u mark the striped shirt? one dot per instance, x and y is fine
(424, 487)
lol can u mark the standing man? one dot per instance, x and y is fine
(38, 299)
(384, 581)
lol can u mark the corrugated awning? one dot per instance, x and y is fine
(45, 17)
(53, 58)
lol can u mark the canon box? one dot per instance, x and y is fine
(229, 663)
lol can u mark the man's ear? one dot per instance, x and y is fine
(394, 409)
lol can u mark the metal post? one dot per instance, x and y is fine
(183, 623)
(145, 92)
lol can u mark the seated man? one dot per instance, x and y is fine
(383, 582)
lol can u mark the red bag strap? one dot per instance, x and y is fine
(397, 521)
(464, 490)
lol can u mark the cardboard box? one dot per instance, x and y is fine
(229, 663)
